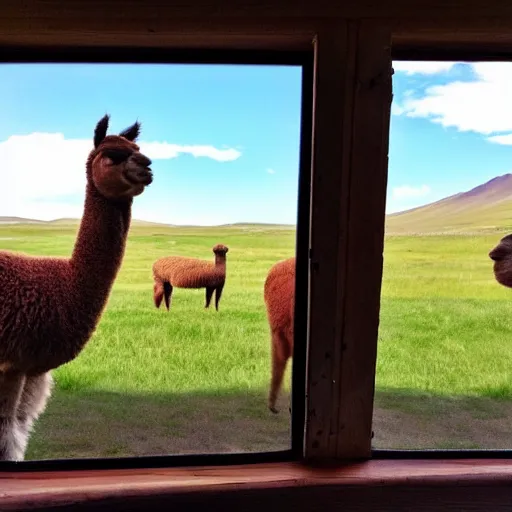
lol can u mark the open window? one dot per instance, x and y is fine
(442, 376)
(179, 368)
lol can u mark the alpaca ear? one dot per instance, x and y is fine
(132, 132)
(100, 131)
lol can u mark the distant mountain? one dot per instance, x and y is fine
(257, 225)
(68, 222)
(487, 207)
(134, 222)
(142, 223)
(19, 220)
(64, 221)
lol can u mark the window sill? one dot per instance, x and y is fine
(85, 488)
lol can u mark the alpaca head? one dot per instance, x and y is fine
(220, 250)
(502, 257)
(116, 167)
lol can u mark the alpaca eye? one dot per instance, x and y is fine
(117, 156)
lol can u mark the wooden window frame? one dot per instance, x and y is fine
(350, 113)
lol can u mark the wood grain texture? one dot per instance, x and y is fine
(348, 498)
(349, 175)
(167, 32)
(334, 83)
(435, 38)
(425, 485)
(361, 240)
(286, 24)
(133, 11)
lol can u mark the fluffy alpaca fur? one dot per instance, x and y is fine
(49, 307)
(502, 257)
(279, 294)
(181, 272)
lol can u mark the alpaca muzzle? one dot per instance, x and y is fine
(138, 171)
(497, 254)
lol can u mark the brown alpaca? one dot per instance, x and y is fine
(49, 307)
(181, 272)
(502, 257)
(279, 293)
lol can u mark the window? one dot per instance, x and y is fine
(443, 372)
(226, 136)
(351, 103)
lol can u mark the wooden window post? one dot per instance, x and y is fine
(352, 100)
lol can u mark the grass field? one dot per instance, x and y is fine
(444, 369)
(195, 381)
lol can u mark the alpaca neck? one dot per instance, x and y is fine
(99, 249)
(220, 261)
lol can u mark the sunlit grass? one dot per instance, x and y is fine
(195, 380)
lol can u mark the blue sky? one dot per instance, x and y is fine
(225, 139)
(450, 129)
(248, 117)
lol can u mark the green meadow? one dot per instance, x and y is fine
(195, 381)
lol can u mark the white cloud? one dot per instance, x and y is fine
(506, 140)
(396, 109)
(40, 165)
(43, 174)
(406, 191)
(164, 150)
(483, 105)
(271, 171)
(422, 67)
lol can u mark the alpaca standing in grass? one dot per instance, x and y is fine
(49, 307)
(279, 294)
(502, 257)
(181, 272)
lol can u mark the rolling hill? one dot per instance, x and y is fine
(68, 222)
(487, 207)
(142, 223)
(19, 220)
(134, 222)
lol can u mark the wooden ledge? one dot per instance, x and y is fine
(43, 489)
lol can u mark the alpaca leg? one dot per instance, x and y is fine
(209, 294)
(168, 294)
(158, 293)
(280, 356)
(11, 439)
(36, 392)
(218, 293)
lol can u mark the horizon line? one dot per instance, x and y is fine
(22, 220)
